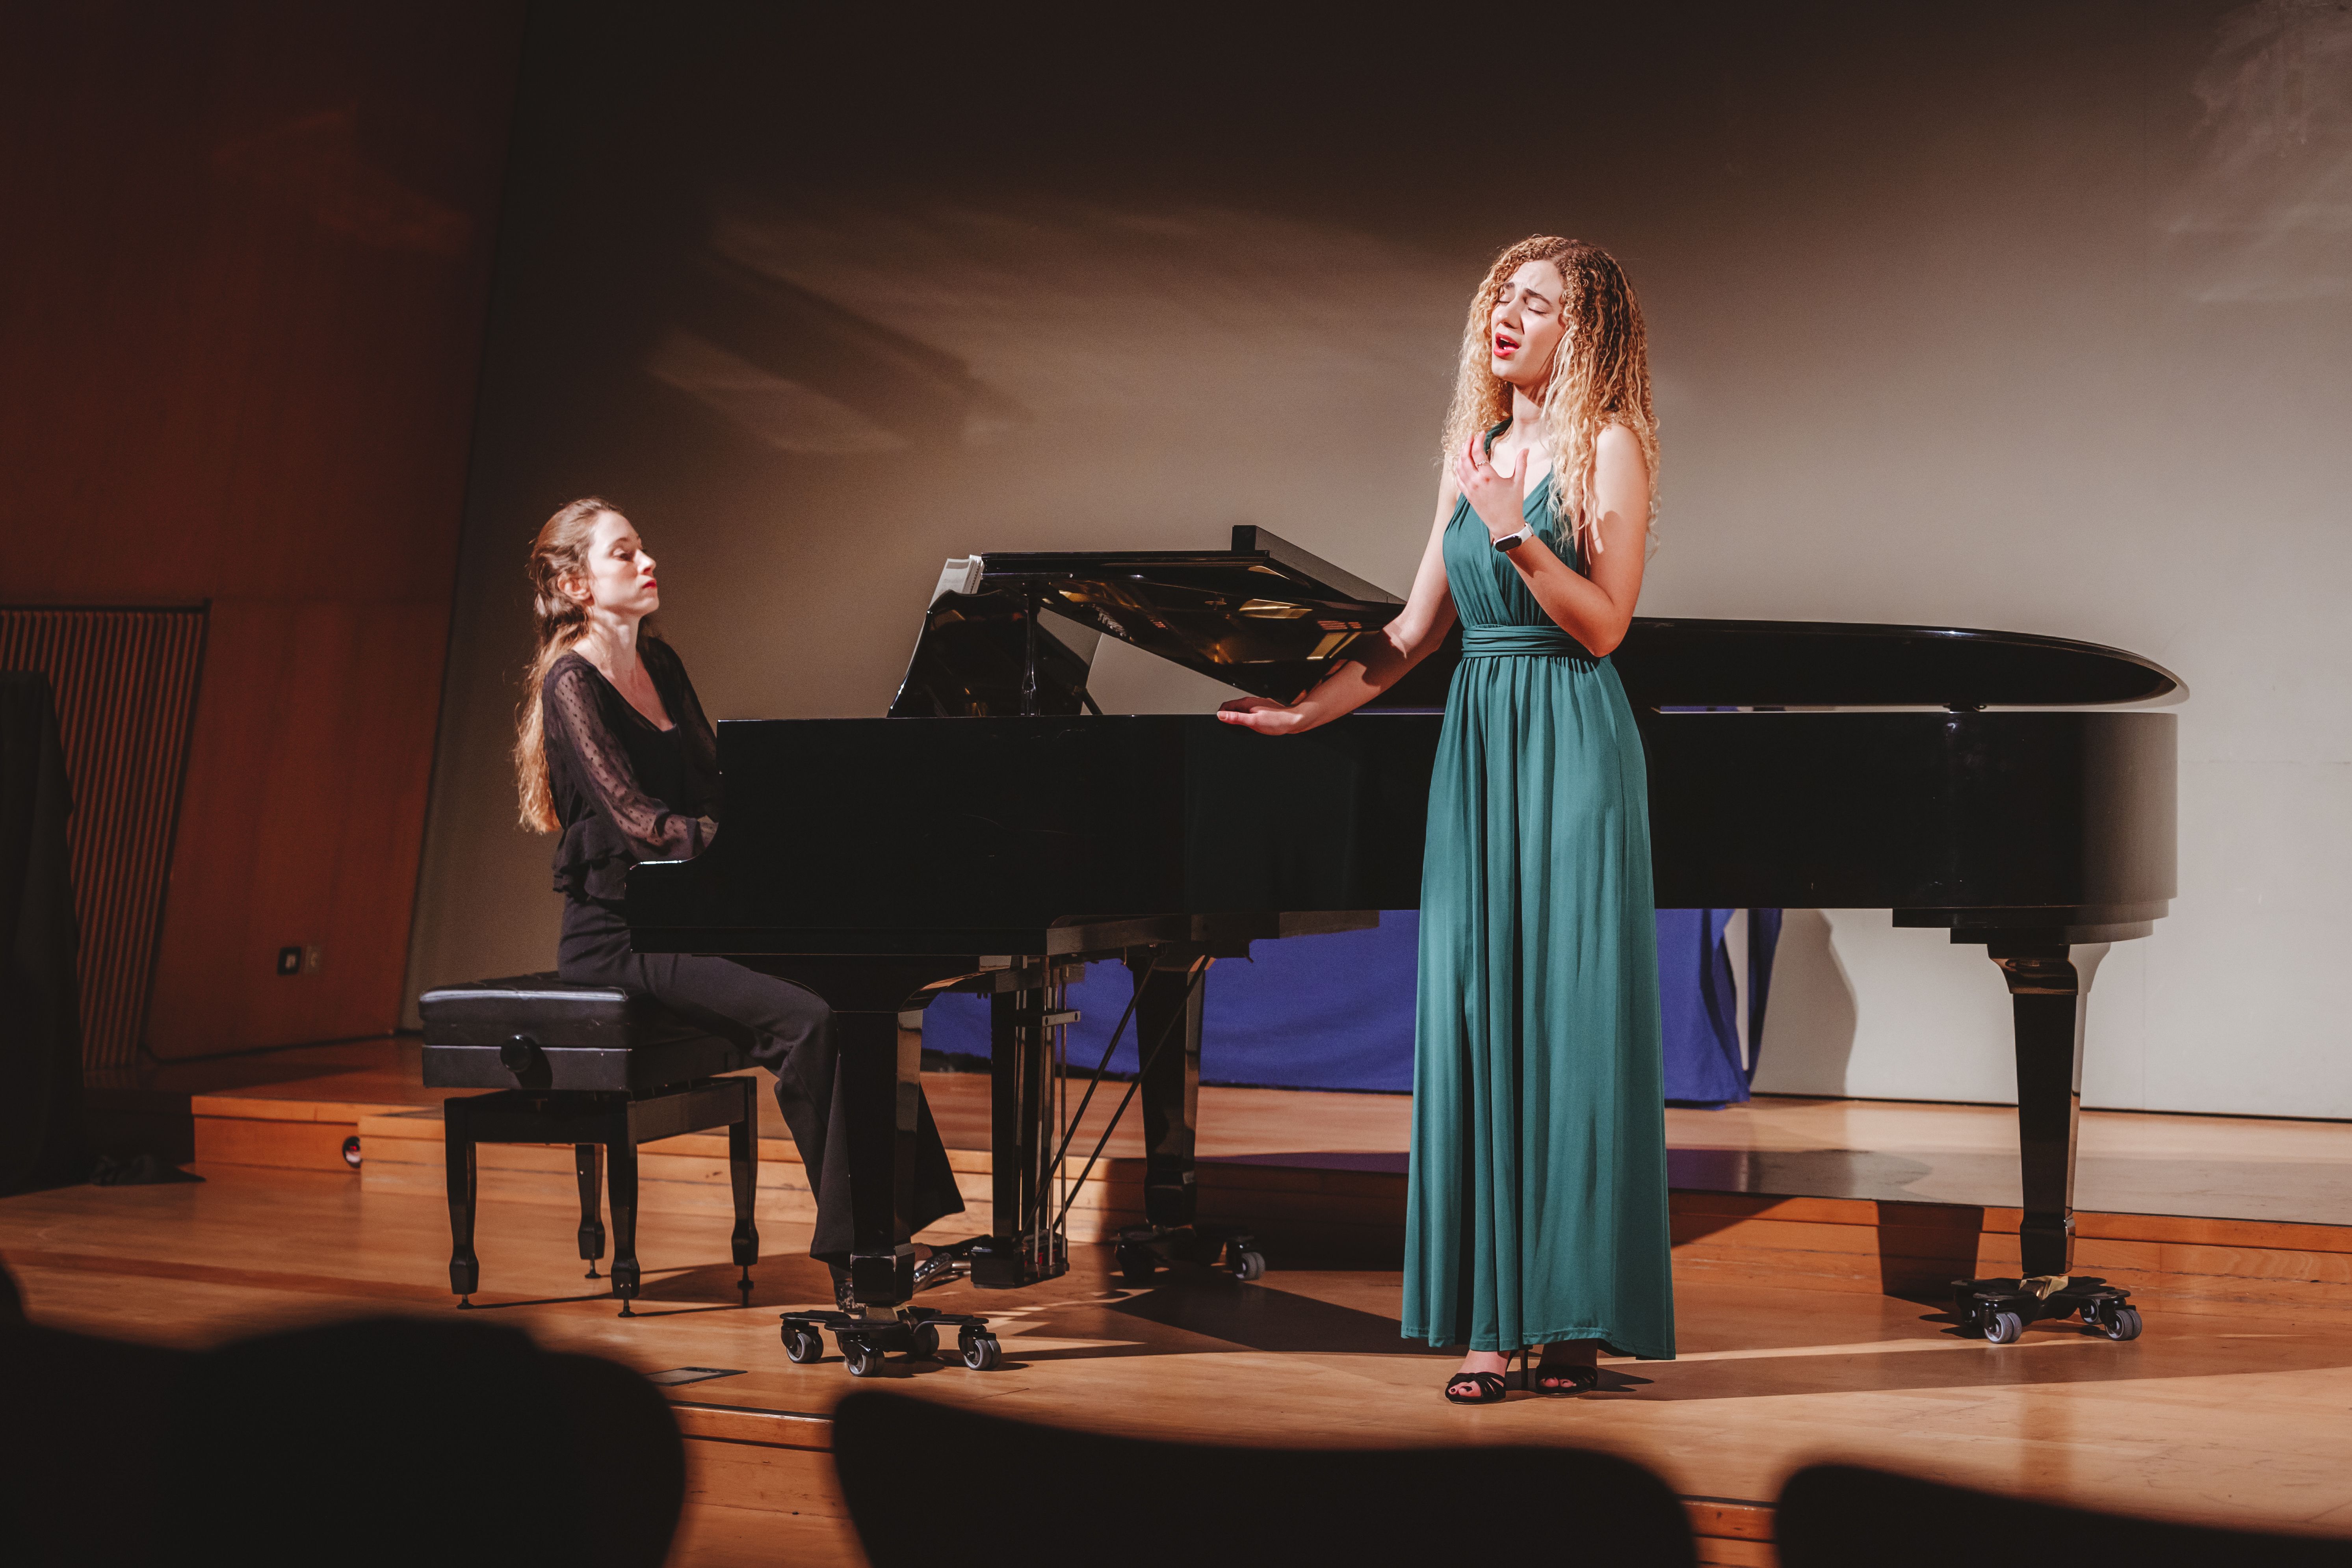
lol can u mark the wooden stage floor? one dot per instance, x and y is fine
(1810, 1326)
(2131, 1162)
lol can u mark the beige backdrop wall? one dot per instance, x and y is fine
(2035, 318)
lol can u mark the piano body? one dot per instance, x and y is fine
(997, 831)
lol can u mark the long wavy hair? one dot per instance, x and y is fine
(1599, 374)
(559, 620)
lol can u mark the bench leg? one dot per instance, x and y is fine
(457, 1151)
(743, 1172)
(588, 1162)
(621, 1158)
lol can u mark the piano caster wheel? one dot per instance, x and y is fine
(982, 1352)
(804, 1345)
(1137, 1267)
(2003, 1328)
(923, 1343)
(1249, 1266)
(2119, 1323)
(864, 1361)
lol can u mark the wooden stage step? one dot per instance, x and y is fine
(1810, 1326)
(750, 1466)
(1789, 1351)
(1341, 1204)
(1356, 1215)
(1343, 1215)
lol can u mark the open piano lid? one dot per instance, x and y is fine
(1269, 618)
(1265, 618)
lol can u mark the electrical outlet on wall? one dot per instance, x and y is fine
(314, 959)
(289, 960)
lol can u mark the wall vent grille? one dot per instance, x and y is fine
(126, 689)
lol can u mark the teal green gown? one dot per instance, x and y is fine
(1537, 1206)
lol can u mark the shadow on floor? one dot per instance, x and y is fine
(1264, 1317)
(1260, 1317)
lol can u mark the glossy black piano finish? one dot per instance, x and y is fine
(885, 858)
(997, 834)
(2058, 824)
(1844, 665)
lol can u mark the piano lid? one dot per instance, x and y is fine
(1682, 663)
(1268, 618)
(1265, 618)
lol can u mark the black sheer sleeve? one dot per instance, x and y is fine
(578, 728)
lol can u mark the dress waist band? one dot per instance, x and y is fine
(1505, 642)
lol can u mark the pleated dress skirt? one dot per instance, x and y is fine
(1537, 1206)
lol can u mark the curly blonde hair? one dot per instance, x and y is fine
(1600, 372)
(560, 551)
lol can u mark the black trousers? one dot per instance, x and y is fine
(788, 1029)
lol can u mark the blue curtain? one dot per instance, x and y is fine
(1699, 1008)
(1336, 1012)
(1314, 1012)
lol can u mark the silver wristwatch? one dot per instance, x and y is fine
(1511, 541)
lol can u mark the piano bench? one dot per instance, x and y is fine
(595, 1067)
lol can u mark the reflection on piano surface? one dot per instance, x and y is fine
(997, 830)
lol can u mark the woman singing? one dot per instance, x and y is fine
(1538, 1205)
(612, 751)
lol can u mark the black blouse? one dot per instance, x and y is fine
(625, 791)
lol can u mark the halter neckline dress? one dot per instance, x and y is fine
(1537, 1206)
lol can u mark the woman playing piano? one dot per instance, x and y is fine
(1537, 1213)
(611, 752)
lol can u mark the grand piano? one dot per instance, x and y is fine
(996, 832)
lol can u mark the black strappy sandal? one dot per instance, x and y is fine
(1563, 1382)
(1486, 1387)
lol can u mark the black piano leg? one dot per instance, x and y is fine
(457, 1152)
(1169, 1007)
(2046, 1004)
(1013, 1137)
(743, 1172)
(1170, 1090)
(621, 1166)
(588, 1165)
(2045, 997)
(881, 1092)
(1025, 1243)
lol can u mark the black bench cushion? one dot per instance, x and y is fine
(550, 1011)
(589, 1037)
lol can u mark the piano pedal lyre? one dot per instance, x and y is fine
(1142, 1249)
